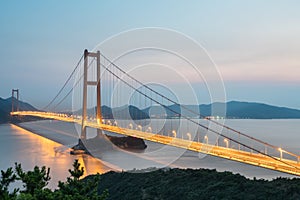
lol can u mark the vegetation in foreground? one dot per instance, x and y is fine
(157, 184)
(35, 182)
(195, 184)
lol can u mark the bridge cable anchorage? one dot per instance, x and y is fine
(189, 119)
(69, 78)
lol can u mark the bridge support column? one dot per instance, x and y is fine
(99, 112)
(13, 100)
(87, 83)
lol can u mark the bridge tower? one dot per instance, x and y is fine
(86, 83)
(13, 91)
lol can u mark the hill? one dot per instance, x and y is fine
(234, 109)
(151, 183)
(5, 108)
(123, 112)
(195, 184)
(126, 112)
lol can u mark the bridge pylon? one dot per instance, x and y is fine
(13, 91)
(86, 83)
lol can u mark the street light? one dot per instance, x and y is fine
(280, 150)
(174, 133)
(189, 136)
(115, 123)
(139, 127)
(226, 141)
(149, 129)
(130, 126)
(206, 139)
(266, 150)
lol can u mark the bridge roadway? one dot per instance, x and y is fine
(256, 159)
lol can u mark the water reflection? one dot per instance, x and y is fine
(56, 156)
(30, 150)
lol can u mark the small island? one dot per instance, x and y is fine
(127, 143)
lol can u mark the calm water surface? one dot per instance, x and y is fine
(29, 149)
(47, 143)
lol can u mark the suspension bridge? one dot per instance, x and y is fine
(109, 83)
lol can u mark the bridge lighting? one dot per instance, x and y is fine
(159, 135)
(103, 121)
(206, 139)
(115, 123)
(174, 133)
(149, 129)
(139, 127)
(227, 142)
(280, 150)
(189, 136)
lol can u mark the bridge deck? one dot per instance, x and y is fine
(256, 159)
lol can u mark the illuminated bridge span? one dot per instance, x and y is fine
(112, 83)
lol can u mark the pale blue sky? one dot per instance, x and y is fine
(256, 44)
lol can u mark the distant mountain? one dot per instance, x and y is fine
(129, 112)
(5, 108)
(123, 112)
(237, 109)
(234, 109)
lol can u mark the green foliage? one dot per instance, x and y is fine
(195, 184)
(34, 183)
(33, 180)
(80, 189)
(159, 184)
(7, 177)
(77, 172)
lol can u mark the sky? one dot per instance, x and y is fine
(255, 44)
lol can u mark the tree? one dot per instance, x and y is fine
(7, 177)
(34, 183)
(35, 180)
(74, 188)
